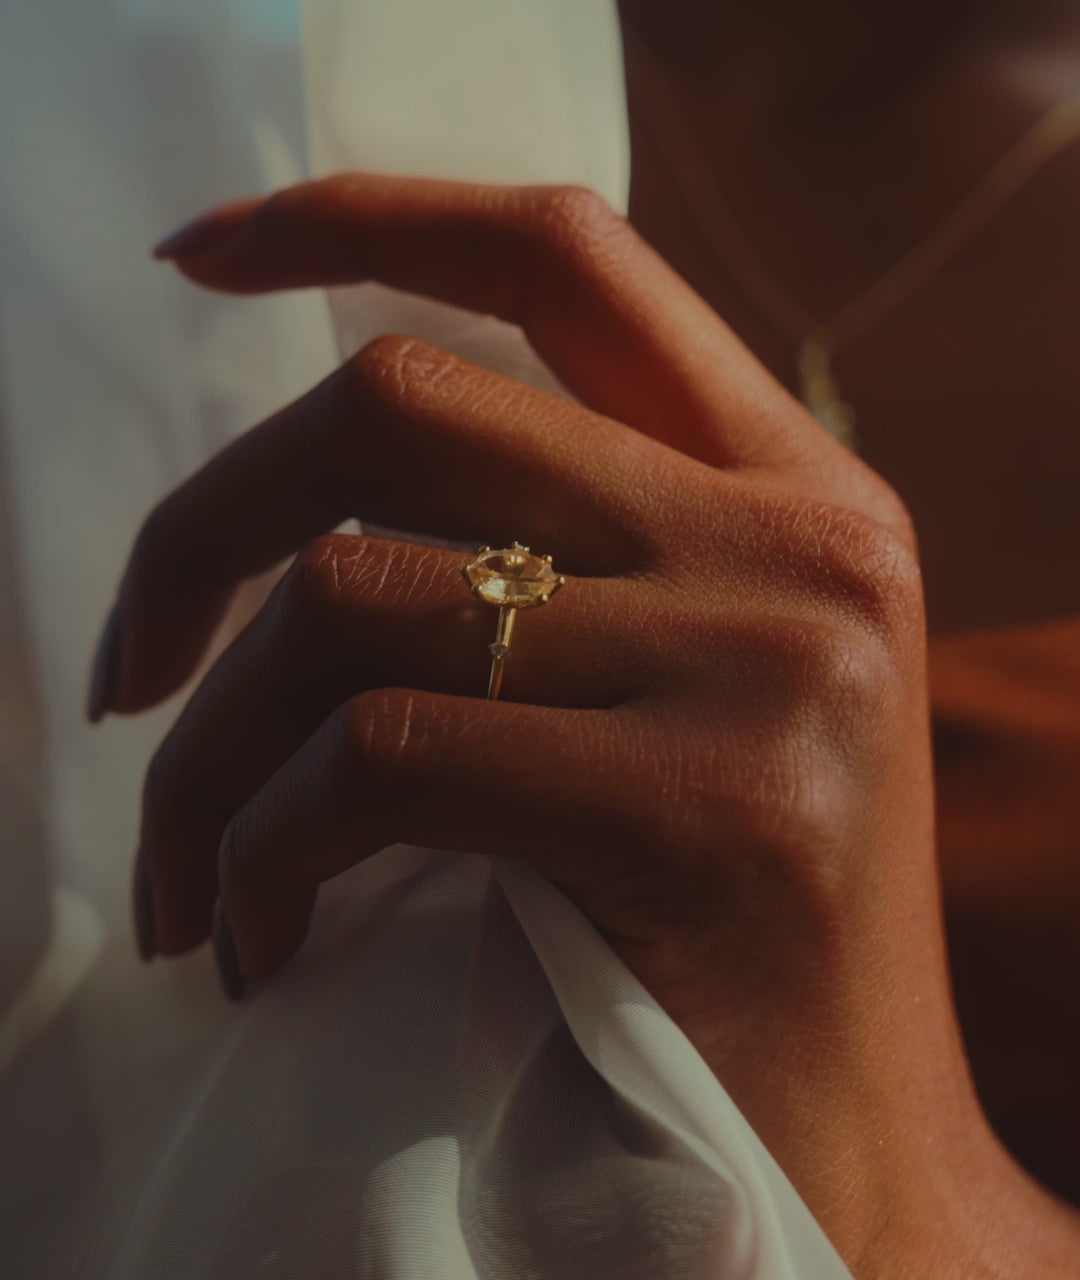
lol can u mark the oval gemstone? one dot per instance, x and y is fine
(511, 576)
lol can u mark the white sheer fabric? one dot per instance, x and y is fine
(456, 1078)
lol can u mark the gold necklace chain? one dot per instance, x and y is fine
(819, 341)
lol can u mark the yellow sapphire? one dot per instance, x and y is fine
(512, 577)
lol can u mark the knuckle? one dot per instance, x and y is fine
(779, 677)
(893, 513)
(845, 565)
(315, 584)
(394, 369)
(857, 567)
(843, 689)
(884, 568)
(777, 808)
(823, 683)
(570, 219)
(381, 734)
(805, 812)
(786, 809)
(375, 372)
(847, 674)
(340, 582)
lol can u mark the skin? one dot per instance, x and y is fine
(830, 145)
(727, 704)
(828, 140)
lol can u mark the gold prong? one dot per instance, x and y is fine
(484, 550)
(560, 581)
(546, 559)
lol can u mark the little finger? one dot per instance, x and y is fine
(403, 766)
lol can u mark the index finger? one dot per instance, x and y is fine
(615, 323)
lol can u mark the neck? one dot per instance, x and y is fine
(790, 57)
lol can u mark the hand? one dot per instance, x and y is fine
(715, 740)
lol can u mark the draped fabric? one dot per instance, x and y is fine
(455, 1078)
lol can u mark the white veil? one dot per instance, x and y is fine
(456, 1078)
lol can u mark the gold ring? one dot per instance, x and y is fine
(510, 578)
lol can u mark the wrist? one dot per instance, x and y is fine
(875, 1121)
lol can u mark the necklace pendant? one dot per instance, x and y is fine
(820, 393)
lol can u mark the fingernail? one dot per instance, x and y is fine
(225, 954)
(200, 235)
(106, 669)
(143, 907)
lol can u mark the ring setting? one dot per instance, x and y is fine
(511, 579)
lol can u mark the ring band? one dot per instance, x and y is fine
(510, 578)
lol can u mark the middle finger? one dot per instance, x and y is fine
(406, 436)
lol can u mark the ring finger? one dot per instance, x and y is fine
(351, 615)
